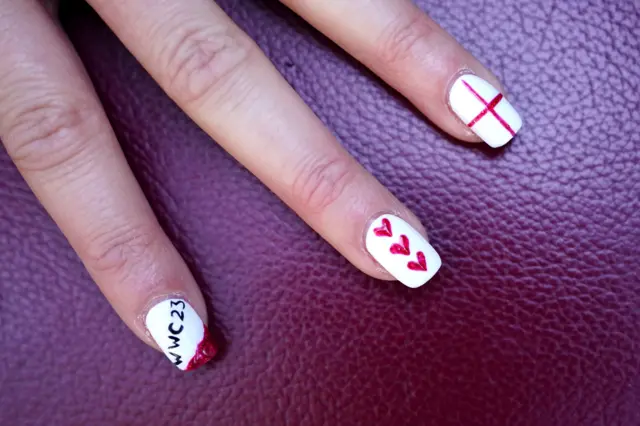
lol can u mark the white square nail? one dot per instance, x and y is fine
(180, 333)
(485, 110)
(402, 251)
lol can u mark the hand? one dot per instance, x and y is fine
(54, 128)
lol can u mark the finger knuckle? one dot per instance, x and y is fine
(46, 135)
(120, 250)
(398, 41)
(319, 183)
(200, 63)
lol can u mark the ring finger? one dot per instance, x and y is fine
(55, 131)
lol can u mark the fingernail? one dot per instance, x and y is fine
(181, 334)
(402, 251)
(485, 110)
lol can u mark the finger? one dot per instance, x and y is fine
(222, 80)
(54, 129)
(413, 54)
(51, 6)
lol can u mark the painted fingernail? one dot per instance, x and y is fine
(485, 110)
(181, 334)
(402, 251)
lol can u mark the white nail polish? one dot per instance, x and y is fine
(402, 251)
(180, 333)
(485, 110)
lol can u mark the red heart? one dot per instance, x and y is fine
(401, 248)
(421, 265)
(384, 230)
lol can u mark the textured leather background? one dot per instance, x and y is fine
(534, 318)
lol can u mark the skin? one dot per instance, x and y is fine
(56, 132)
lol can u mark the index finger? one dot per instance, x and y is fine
(422, 61)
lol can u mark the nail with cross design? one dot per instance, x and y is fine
(485, 110)
(402, 250)
(180, 333)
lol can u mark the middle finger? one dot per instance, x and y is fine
(221, 79)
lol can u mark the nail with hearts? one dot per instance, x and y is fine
(180, 333)
(402, 250)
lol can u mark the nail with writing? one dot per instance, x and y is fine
(181, 334)
(484, 110)
(402, 250)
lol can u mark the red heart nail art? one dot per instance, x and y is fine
(421, 265)
(384, 230)
(401, 248)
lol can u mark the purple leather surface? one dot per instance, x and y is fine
(534, 318)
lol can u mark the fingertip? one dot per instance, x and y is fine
(180, 333)
(400, 247)
(480, 104)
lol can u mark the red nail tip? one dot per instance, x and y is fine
(206, 350)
